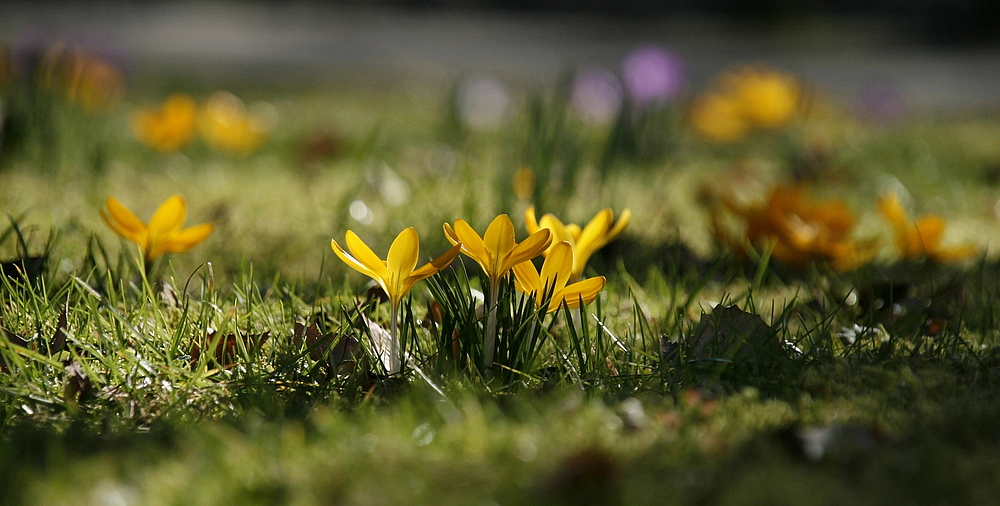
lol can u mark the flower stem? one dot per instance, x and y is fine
(490, 338)
(395, 360)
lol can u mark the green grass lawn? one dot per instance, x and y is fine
(245, 371)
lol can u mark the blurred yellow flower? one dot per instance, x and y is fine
(524, 183)
(169, 127)
(398, 273)
(226, 125)
(556, 273)
(767, 98)
(601, 230)
(163, 234)
(753, 97)
(798, 231)
(719, 118)
(921, 238)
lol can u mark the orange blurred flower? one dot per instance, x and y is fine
(169, 127)
(798, 230)
(921, 238)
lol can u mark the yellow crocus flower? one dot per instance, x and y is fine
(398, 273)
(497, 251)
(169, 127)
(601, 230)
(556, 272)
(163, 234)
(921, 238)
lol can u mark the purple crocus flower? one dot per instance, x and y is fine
(652, 74)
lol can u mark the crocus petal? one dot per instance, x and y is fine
(168, 218)
(529, 248)
(353, 262)
(404, 288)
(364, 255)
(450, 234)
(434, 266)
(187, 238)
(574, 231)
(892, 209)
(952, 255)
(430, 268)
(472, 245)
(558, 266)
(124, 222)
(592, 236)
(403, 255)
(529, 220)
(499, 237)
(620, 225)
(526, 278)
(930, 230)
(560, 232)
(586, 290)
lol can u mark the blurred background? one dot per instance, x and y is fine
(932, 54)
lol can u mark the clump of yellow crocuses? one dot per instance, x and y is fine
(396, 275)
(497, 252)
(600, 231)
(557, 269)
(163, 234)
(921, 238)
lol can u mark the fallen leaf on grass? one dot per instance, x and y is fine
(343, 354)
(730, 333)
(226, 348)
(55, 345)
(77, 381)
